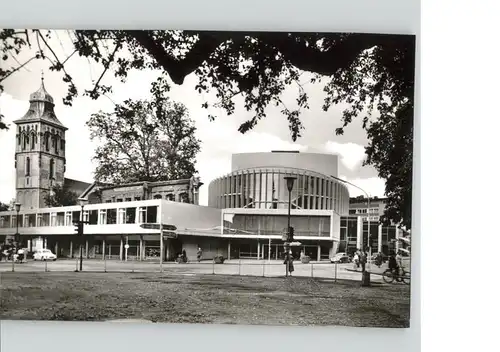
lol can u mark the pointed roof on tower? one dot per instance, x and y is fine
(41, 108)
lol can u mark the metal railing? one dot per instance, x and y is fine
(240, 267)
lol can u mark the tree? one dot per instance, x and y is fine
(372, 73)
(4, 207)
(61, 196)
(151, 140)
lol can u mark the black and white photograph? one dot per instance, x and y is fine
(206, 177)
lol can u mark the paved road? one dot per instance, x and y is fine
(230, 267)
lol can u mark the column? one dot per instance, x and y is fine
(141, 244)
(87, 249)
(71, 249)
(121, 248)
(229, 249)
(319, 253)
(44, 239)
(103, 249)
(126, 249)
(359, 240)
(56, 249)
(379, 238)
(258, 250)
(167, 246)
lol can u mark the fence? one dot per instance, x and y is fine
(263, 268)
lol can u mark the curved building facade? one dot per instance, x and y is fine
(254, 201)
(265, 188)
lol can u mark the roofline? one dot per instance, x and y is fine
(54, 124)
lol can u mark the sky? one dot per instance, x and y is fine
(219, 138)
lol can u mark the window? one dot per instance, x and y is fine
(169, 197)
(184, 198)
(352, 211)
(130, 216)
(151, 214)
(44, 219)
(51, 171)
(33, 140)
(26, 141)
(68, 219)
(53, 219)
(63, 142)
(93, 217)
(157, 196)
(137, 198)
(119, 200)
(142, 215)
(47, 137)
(76, 215)
(4, 221)
(121, 216)
(19, 137)
(110, 216)
(128, 199)
(102, 217)
(28, 166)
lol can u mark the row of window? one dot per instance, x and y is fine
(363, 211)
(267, 189)
(29, 141)
(183, 198)
(349, 235)
(133, 215)
(27, 168)
(275, 225)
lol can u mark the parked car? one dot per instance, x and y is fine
(341, 258)
(44, 254)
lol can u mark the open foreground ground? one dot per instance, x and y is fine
(201, 298)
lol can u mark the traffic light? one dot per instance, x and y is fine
(290, 234)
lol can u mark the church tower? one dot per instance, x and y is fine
(40, 151)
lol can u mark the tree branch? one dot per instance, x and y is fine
(179, 69)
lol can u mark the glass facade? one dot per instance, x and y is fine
(104, 216)
(266, 189)
(348, 234)
(274, 225)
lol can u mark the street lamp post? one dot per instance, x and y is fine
(367, 215)
(16, 236)
(289, 185)
(82, 201)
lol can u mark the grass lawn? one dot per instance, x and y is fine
(201, 299)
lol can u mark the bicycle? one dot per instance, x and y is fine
(388, 276)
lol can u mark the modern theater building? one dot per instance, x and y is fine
(245, 217)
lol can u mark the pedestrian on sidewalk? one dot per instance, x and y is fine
(363, 259)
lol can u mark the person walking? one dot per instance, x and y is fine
(363, 259)
(199, 254)
(355, 259)
(289, 262)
